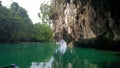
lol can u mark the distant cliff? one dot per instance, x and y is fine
(89, 21)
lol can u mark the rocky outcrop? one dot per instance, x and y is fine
(78, 20)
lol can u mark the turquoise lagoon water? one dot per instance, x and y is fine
(46, 55)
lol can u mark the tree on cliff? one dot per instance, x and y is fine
(46, 13)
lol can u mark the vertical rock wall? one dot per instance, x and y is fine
(85, 19)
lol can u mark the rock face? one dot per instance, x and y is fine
(86, 19)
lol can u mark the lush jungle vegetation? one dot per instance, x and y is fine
(16, 26)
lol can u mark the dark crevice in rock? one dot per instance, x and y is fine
(95, 23)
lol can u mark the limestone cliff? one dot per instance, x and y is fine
(86, 19)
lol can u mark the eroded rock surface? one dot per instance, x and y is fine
(86, 19)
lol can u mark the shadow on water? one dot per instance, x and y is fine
(44, 56)
(85, 58)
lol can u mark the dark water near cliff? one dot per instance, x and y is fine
(46, 56)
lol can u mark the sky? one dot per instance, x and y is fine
(32, 7)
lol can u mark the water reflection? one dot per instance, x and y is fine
(79, 58)
(70, 60)
(62, 46)
(66, 60)
(47, 64)
(85, 58)
(25, 55)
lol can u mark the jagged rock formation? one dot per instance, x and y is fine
(76, 20)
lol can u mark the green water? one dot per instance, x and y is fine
(24, 54)
(45, 56)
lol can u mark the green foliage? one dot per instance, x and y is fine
(42, 32)
(46, 13)
(14, 6)
(0, 3)
(6, 24)
(16, 26)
